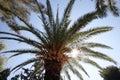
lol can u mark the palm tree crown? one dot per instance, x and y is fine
(59, 38)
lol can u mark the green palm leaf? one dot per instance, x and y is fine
(32, 60)
(75, 71)
(95, 45)
(95, 31)
(76, 63)
(81, 23)
(67, 74)
(97, 55)
(49, 13)
(21, 39)
(66, 15)
(20, 52)
(91, 62)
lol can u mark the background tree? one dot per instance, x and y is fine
(59, 38)
(26, 72)
(103, 6)
(2, 59)
(110, 73)
(3, 73)
(1, 63)
(10, 10)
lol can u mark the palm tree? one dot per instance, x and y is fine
(59, 38)
(110, 73)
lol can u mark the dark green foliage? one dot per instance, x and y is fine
(110, 73)
(30, 74)
(4, 74)
(103, 6)
(26, 75)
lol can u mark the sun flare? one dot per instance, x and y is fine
(74, 53)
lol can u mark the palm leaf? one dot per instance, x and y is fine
(44, 21)
(24, 64)
(76, 63)
(67, 74)
(113, 8)
(75, 71)
(88, 34)
(49, 13)
(66, 15)
(97, 55)
(94, 45)
(57, 19)
(21, 52)
(21, 39)
(101, 8)
(38, 69)
(91, 62)
(96, 31)
(17, 39)
(81, 23)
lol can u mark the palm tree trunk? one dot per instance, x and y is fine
(52, 70)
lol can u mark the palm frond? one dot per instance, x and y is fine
(67, 74)
(44, 21)
(66, 15)
(21, 39)
(97, 55)
(11, 38)
(32, 60)
(57, 18)
(18, 28)
(50, 14)
(35, 31)
(76, 63)
(26, 40)
(75, 71)
(81, 23)
(78, 74)
(91, 62)
(94, 45)
(113, 8)
(21, 52)
(61, 27)
(92, 32)
(17, 15)
(101, 8)
(38, 69)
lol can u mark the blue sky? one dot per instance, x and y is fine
(80, 8)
